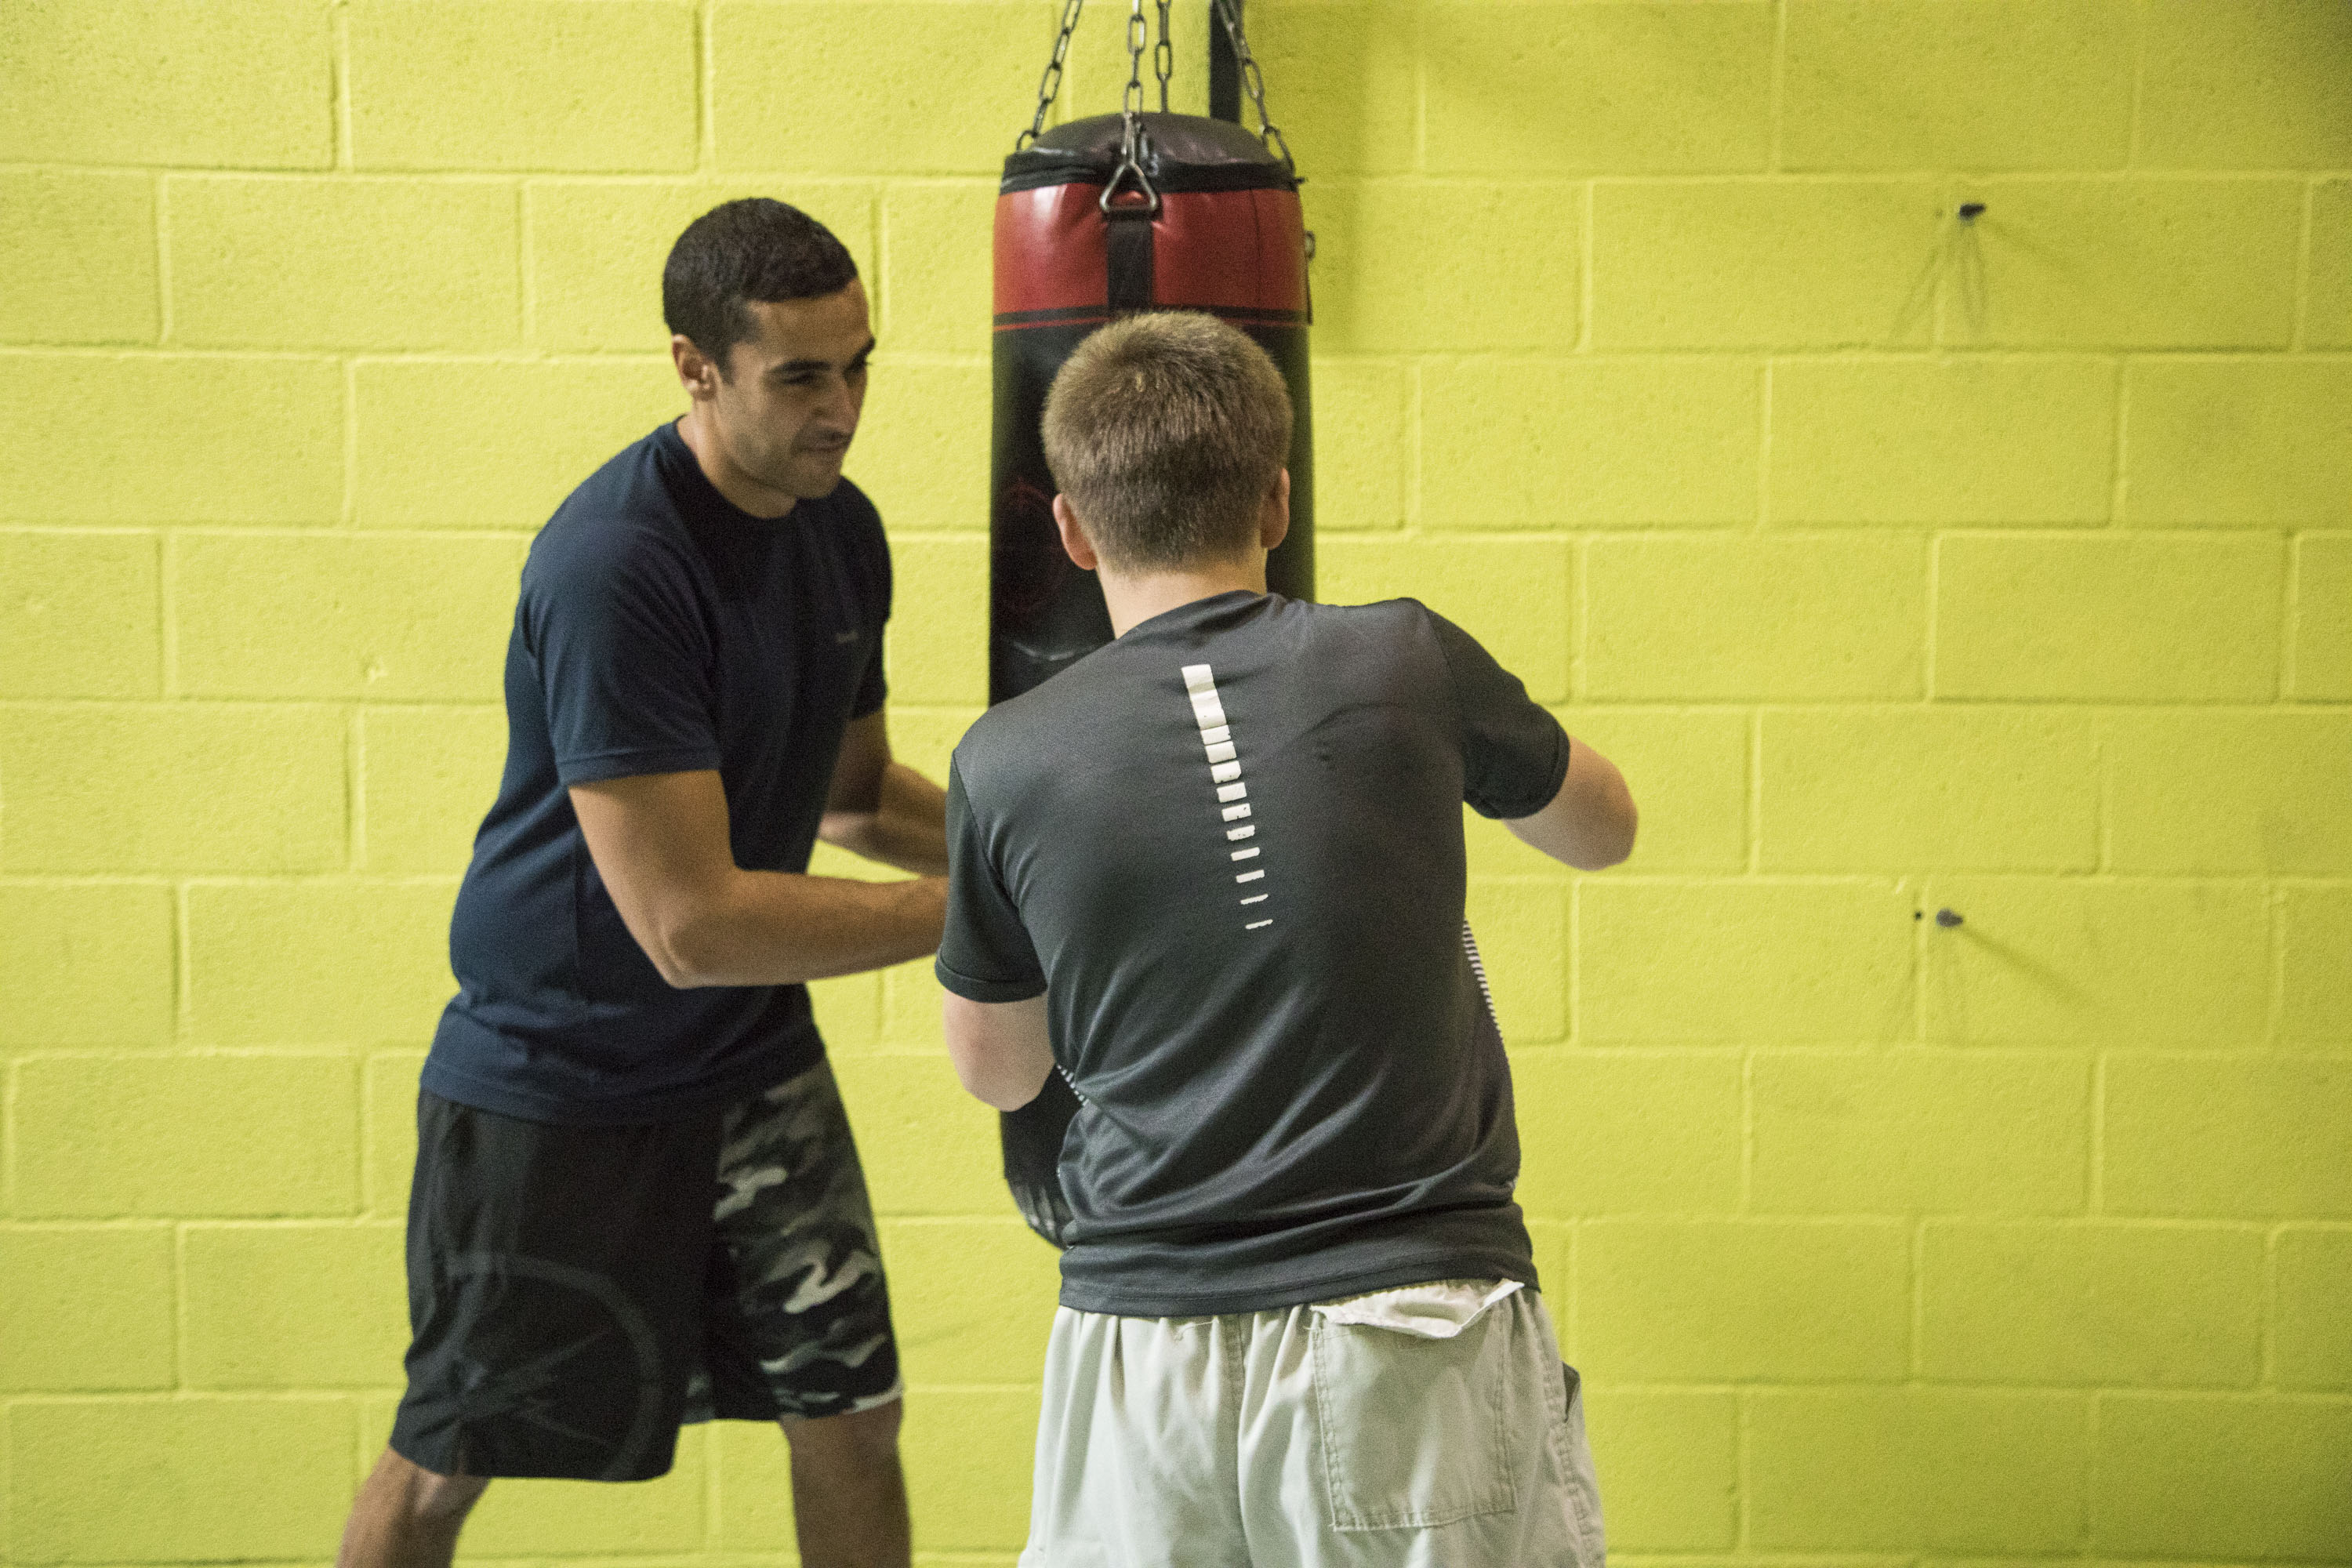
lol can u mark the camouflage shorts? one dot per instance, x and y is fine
(576, 1292)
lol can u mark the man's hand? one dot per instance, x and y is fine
(1001, 1050)
(660, 842)
(1590, 823)
(881, 808)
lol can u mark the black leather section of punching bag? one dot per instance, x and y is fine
(1227, 241)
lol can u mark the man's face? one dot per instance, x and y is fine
(788, 405)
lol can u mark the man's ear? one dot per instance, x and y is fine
(1073, 537)
(696, 370)
(1274, 518)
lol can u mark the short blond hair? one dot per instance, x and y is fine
(1166, 431)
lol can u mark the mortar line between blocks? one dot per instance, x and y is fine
(2140, 86)
(706, 88)
(2266, 1381)
(2118, 488)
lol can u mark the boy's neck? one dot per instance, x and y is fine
(1135, 599)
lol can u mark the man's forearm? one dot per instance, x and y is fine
(772, 928)
(907, 827)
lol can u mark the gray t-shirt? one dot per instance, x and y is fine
(1228, 848)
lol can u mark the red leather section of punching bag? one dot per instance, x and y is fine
(1232, 252)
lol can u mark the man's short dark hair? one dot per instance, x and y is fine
(1166, 431)
(740, 251)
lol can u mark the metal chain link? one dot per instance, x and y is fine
(1163, 58)
(1138, 39)
(1268, 131)
(1132, 140)
(1052, 83)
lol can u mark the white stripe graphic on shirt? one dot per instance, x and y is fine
(1223, 756)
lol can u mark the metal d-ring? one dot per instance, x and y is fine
(1142, 183)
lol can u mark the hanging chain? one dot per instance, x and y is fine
(1131, 137)
(1052, 84)
(1268, 131)
(1163, 58)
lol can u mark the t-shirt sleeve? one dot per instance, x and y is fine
(872, 688)
(1515, 754)
(623, 661)
(985, 953)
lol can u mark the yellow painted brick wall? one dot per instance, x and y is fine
(1905, 563)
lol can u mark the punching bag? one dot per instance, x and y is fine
(1203, 218)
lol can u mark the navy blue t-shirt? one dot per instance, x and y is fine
(660, 630)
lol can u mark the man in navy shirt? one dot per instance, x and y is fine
(1214, 872)
(636, 1199)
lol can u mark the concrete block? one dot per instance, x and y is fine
(2311, 1337)
(1688, 771)
(937, 646)
(924, 738)
(1364, 425)
(1785, 961)
(426, 777)
(1673, 1462)
(1512, 595)
(2051, 960)
(597, 248)
(428, 457)
(350, 962)
(2089, 1304)
(1743, 616)
(165, 438)
(405, 618)
(96, 1137)
(2319, 656)
(1521, 930)
(2233, 1477)
(2234, 1139)
(523, 86)
(583, 1518)
(1897, 1469)
(80, 616)
(921, 453)
(82, 250)
(1516, 444)
(781, 72)
(1734, 1300)
(388, 1108)
(2251, 441)
(2229, 793)
(86, 964)
(972, 1300)
(2131, 263)
(1898, 441)
(1919, 1132)
(343, 263)
(911, 1000)
(1342, 69)
(2316, 1005)
(1974, 789)
(1781, 264)
(295, 1305)
(934, 289)
(752, 1470)
(1620, 1133)
(848, 1013)
(1636, 88)
(929, 1149)
(173, 789)
(2131, 618)
(169, 82)
(1507, 279)
(2242, 85)
(87, 1308)
(159, 1480)
(968, 1456)
(1984, 84)
(2328, 269)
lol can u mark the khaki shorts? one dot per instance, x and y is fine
(1429, 1427)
